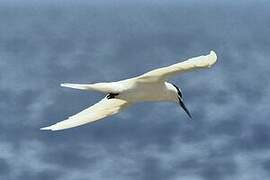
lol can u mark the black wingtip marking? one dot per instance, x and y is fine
(112, 95)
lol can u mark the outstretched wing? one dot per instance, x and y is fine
(162, 74)
(105, 107)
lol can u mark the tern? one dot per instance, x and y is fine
(150, 86)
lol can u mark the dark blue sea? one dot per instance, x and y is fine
(43, 44)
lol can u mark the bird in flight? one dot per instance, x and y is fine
(150, 86)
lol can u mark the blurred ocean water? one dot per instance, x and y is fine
(45, 44)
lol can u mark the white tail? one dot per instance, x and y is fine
(100, 87)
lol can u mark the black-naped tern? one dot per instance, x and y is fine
(151, 86)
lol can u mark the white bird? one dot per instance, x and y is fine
(151, 86)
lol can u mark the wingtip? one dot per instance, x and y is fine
(46, 128)
(213, 53)
(53, 127)
(63, 84)
(213, 58)
(49, 128)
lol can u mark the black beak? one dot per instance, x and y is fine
(184, 107)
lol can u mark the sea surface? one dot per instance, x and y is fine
(43, 44)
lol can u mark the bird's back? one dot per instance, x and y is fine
(148, 92)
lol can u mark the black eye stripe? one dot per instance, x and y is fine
(178, 90)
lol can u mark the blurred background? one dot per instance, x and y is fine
(43, 44)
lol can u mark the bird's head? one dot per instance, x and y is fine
(180, 100)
